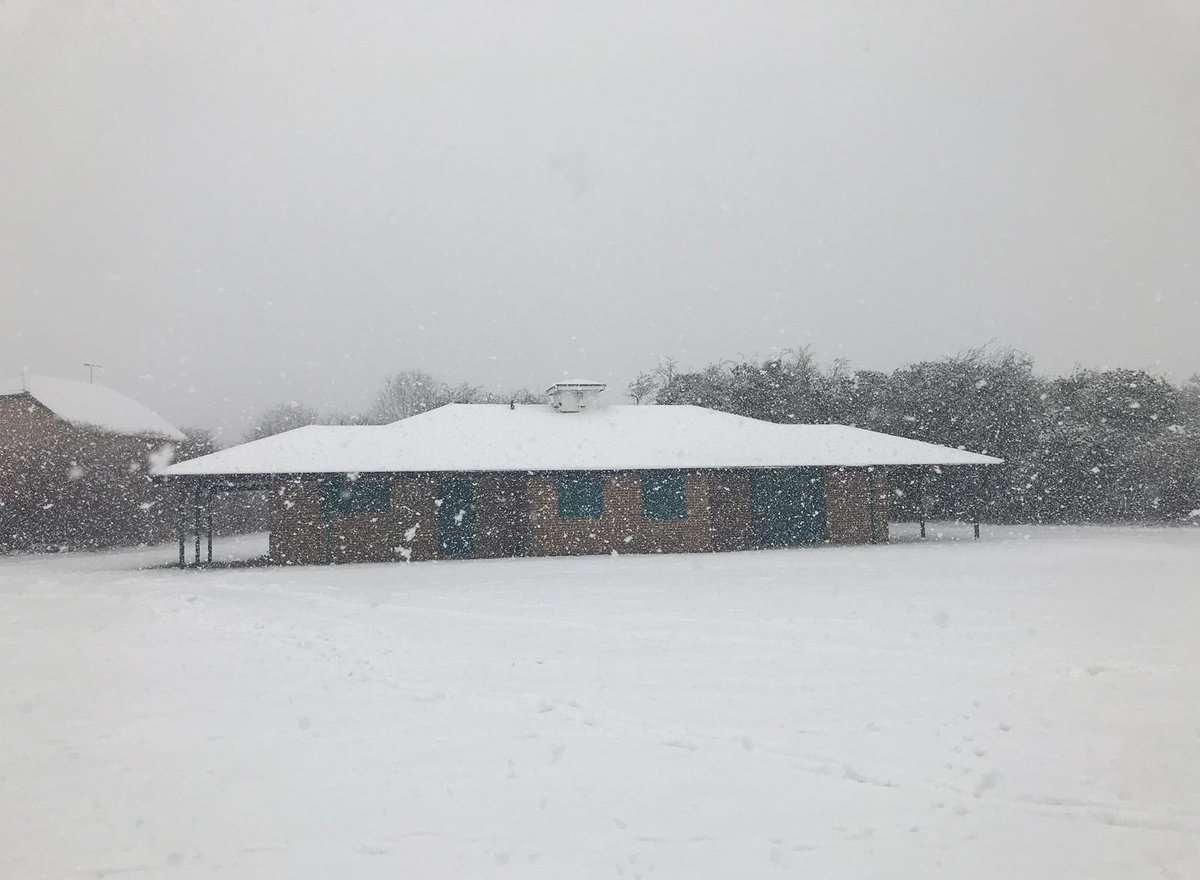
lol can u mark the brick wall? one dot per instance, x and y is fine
(730, 525)
(857, 505)
(415, 516)
(502, 507)
(517, 514)
(302, 534)
(622, 526)
(881, 503)
(297, 533)
(62, 485)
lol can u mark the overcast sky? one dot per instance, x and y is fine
(232, 204)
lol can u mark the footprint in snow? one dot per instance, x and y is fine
(985, 784)
(679, 743)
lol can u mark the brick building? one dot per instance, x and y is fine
(571, 477)
(75, 462)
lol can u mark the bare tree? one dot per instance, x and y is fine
(408, 393)
(666, 371)
(643, 386)
(200, 441)
(283, 417)
(411, 392)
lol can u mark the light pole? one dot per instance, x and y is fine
(92, 371)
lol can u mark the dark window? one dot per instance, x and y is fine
(456, 517)
(580, 496)
(664, 495)
(343, 496)
(787, 506)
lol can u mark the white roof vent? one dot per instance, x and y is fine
(574, 396)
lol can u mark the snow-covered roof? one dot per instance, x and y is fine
(577, 383)
(93, 406)
(496, 437)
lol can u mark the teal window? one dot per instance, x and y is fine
(664, 495)
(344, 496)
(580, 496)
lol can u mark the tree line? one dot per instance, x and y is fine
(1091, 446)
(403, 394)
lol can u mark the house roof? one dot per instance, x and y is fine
(496, 437)
(93, 406)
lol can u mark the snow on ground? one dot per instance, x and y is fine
(1024, 706)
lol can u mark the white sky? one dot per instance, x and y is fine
(231, 204)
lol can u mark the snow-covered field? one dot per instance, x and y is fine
(1024, 706)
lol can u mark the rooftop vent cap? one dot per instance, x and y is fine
(574, 396)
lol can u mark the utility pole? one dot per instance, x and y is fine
(92, 371)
